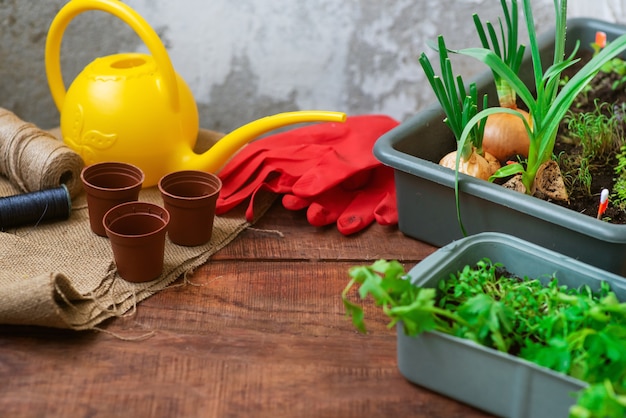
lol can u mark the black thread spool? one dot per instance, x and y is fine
(35, 207)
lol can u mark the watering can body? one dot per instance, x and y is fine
(135, 108)
(115, 111)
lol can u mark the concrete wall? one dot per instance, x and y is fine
(247, 59)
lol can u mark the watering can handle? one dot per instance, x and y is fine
(126, 14)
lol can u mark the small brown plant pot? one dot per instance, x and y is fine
(137, 233)
(107, 185)
(190, 197)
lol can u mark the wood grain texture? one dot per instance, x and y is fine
(258, 331)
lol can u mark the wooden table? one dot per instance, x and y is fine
(259, 331)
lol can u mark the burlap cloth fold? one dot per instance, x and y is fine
(62, 275)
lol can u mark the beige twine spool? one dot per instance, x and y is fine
(33, 159)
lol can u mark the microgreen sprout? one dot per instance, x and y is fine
(596, 136)
(598, 132)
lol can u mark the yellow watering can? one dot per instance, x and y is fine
(135, 108)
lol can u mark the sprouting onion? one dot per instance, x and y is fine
(550, 105)
(507, 49)
(505, 135)
(460, 105)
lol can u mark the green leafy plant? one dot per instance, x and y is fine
(615, 66)
(577, 332)
(618, 194)
(387, 282)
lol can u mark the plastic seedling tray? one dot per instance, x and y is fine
(425, 190)
(493, 381)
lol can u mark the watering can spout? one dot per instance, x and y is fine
(214, 158)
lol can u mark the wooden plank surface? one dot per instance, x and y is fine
(259, 331)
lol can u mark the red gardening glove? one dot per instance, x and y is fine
(286, 155)
(274, 170)
(353, 202)
(327, 166)
(352, 208)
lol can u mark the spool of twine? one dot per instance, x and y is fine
(33, 159)
(35, 207)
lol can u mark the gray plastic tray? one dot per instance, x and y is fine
(425, 190)
(485, 378)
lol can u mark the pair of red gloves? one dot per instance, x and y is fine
(327, 168)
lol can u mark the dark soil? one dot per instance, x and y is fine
(602, 173)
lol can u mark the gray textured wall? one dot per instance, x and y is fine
(251, 58)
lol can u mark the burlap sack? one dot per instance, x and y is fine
(62, 275)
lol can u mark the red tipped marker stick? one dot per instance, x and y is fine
(601, 39)
(604, 202)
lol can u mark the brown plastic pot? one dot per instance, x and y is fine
(137, 233)
(107, 185)
(190, 197)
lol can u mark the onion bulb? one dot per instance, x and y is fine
(505, 136)
(476, 165)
